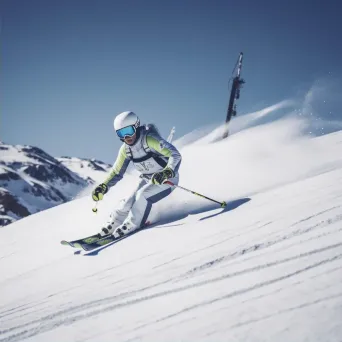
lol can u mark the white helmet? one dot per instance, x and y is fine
(126, 119)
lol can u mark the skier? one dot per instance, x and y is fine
(157, 161)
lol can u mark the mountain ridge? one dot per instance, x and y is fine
(31, 180)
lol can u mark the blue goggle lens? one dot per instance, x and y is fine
(126, 131)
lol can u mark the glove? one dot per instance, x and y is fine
(162, 176)
(99, 191)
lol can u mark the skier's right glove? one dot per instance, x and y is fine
(159, 178)
(99, 191)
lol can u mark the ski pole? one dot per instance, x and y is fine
(222, 204)
(95, 208)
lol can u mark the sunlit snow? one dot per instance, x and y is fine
(266, 268)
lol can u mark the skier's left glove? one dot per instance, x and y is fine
(99, 191)
(162, 176)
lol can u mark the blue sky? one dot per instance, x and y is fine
(68, 67)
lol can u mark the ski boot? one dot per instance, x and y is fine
(124, 229)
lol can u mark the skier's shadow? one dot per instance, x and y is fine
(177, 217)
(210, 207)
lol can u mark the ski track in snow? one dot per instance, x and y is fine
(267, 269)
(43, 327)
(73, 314)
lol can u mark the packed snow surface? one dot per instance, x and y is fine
(266, 268)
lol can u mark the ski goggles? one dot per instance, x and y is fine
(126, 131)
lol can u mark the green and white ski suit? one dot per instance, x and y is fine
(149, 154)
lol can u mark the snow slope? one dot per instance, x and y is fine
(266, 268)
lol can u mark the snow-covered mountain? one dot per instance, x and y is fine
(266, 268)
(91, 170)
(31, 180)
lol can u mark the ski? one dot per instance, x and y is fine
(98, 243)
(86, 240)
(94, 241)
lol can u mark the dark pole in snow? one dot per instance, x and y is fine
(234, 95)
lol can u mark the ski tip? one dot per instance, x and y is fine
(77, 245)
(65, 243)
